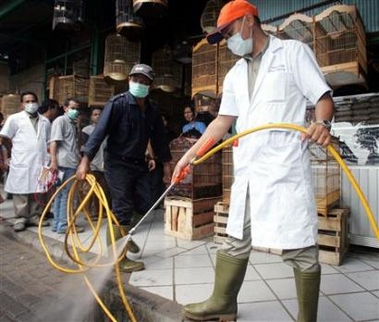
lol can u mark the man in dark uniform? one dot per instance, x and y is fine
(129, 120)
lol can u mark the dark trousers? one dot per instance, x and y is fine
(157, 186)
(129, 186)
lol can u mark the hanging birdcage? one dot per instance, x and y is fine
(68, 15)
(169, 72)
(150, 10)
(128, 24)
(119, 58)
(208, 20)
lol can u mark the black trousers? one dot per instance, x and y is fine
(129, 186)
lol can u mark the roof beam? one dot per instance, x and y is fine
(9, 7)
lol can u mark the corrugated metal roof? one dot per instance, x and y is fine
(268, 9)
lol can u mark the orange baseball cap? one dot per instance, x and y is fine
(229, 13)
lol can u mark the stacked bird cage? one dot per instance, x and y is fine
(270, 29)
(72, 86)
(299, 27)
(340, 45)
(225, 60)
(204, 68)
(10, 104)
(204, 180)
(99, 91)
(227, 173)
(169, 72)
(119, 58)
(326, 175)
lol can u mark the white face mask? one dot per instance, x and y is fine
(239, 46)
(31, 108)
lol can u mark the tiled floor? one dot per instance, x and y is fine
(183, 271)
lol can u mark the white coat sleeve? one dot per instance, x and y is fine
(9, 128)
(307, 73)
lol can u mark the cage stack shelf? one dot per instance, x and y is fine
(340, 45)
(299, 27)
(204, 69)
(326, 176)
(221, 210)
(99, 91)
(189, 205)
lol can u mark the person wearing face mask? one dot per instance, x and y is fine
(129, 120)
(272, 201)
(29, 133)
(65, 157)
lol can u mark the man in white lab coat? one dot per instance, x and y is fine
(29, 132)
(272, 198)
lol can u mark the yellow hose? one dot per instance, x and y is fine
(335, 154)
(77, 248)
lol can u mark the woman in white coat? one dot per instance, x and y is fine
(272, 199)
(29, 133)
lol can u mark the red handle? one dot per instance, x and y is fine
(183, 174)
(205, 147)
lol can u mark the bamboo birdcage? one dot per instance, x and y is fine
(99, 91)
(10, 104)
(119, 58)
(204, 68)
(208, 20)
(340, 45)
(169, 72)
(227, 173)
(225, 60)
(128, 24)
(270, 29)
(299, 27)
(72, 86)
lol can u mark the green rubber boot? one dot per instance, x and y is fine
(126, 265)
(307, 288)
(131, 245)
(222, 305)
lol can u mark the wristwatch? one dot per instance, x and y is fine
(325, 123)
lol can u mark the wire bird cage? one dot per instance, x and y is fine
(72, 86)
(119, 58)
(299, 27)
(208, 20)
(204, 68)
(204, 180)
(169, 72)
(270, 29)
(128, 24)
(326, 176)
(68, 15)
(340, 45)
(225, 60)
(10, 104)
(99, 91)
(150, 10)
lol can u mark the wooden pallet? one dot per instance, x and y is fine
(189, 218)
(333, 236)
(220, 219)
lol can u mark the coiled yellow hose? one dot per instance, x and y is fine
(335, 154)
(78, 249)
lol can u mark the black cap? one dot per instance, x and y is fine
(143, 70)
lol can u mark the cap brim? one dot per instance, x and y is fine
(214, 37)
(142, 73)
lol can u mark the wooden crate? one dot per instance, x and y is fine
(220, 219)
(189, 219)
(227, 173)
(326, 176)
(333, 236)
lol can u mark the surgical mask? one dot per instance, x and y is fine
(138, 90)
(31, 108)
(73, 114)
(238, 45)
